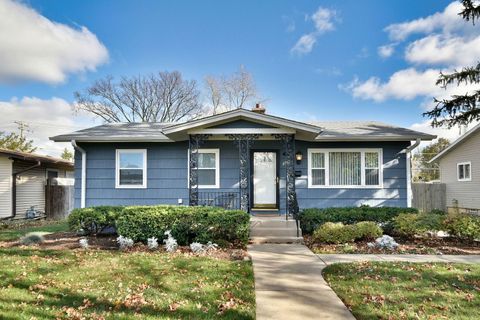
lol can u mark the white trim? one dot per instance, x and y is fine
(83, 181)
(469, 163)
(362, 162)
(242, 113)
(242, 131)
(409, 180)
(117, 169)
(52, 170)
(216, 151)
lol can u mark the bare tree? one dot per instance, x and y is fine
(162, 97)
(231, 92)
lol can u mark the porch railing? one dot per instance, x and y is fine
(224, 199)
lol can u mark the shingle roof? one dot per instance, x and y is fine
(328, 131)
(36, 157)
(366, 130)
(117, 132)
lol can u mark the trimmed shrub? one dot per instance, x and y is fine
(463, 226)
(411, 224)
(187, 224)
(94, 219)
(32, 238)
(331, 232)
(367, 230)
(311, 219)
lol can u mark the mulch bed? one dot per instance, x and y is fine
(70, 241)
(406, 246)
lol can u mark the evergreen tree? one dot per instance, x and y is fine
(16, 142)
(459, 109)
(67, 154)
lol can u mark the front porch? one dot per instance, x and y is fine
(263, 163)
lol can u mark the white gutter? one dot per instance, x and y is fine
(84, 173)
(407, 152)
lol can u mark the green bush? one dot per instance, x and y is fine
(331, 232)
(311, 219)
(463, 226)
(94, 219)
(413, 224)
(337, 232)
(367, 230)
(187, 224)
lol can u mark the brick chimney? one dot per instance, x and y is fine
(258, 109)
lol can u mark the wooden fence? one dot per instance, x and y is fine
(429, 196)
(59, 200)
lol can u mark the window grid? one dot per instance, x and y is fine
(364, 168)
(118, 166)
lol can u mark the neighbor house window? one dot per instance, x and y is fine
(131, 168)
(353, 168)
(464, 171)
(208, 168)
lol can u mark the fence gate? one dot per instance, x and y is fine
(429, 196)
(59, 200)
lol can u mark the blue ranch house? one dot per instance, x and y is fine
(244, 159)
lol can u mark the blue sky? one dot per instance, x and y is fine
(343, 76)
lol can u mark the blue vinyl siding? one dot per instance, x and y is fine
(167, 174)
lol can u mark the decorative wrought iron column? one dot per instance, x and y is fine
(194, 143)
(244, 143)
(289, 158)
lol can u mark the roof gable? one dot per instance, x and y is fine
(456, 143)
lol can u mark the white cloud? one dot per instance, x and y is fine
(442, 50)
(33, 47)
(386, 50)
(45, 118)
(305, 44)
(451, 134)
(405, 84)
(446, 21)
(323, 20)
(447, 42)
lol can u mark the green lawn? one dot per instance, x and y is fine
(407, 290)
(15, 231)
(41, 284)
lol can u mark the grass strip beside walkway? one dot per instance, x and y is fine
(402, 290)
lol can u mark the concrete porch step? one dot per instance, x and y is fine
(272, 223)
(273, 239)
(273, 232)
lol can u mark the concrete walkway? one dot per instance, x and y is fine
(339, 258)
(289, 284)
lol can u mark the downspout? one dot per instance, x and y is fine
(407, 152)
(84, 173)
(14, 188)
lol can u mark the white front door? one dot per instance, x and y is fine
(264, 179)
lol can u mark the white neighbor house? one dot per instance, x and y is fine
(460, 171)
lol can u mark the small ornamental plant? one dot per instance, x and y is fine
(124, 242)
(211, 246)
(83, 243)
(171, 244)
(384, 242)
(152, 243)
(197, 247)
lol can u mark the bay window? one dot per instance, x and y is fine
(350, 168)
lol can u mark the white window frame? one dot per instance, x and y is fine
(117, 169)
(362, 162)
(469, 163)
(217, 169)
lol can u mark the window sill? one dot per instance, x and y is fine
(131, 187)
(345, 187)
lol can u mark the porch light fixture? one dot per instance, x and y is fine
(298, 157)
